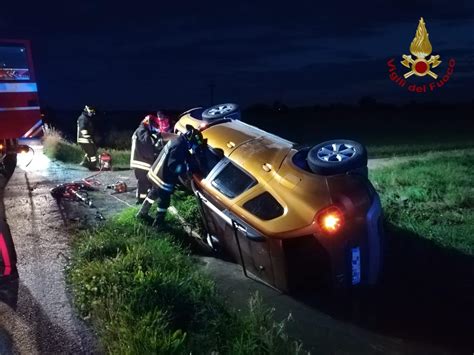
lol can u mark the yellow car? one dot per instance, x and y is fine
(297, 218)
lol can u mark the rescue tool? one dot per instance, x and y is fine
(74, 191)
(118, 187)
(78, 191)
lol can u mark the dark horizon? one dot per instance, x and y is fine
(163, 55)
(363, 103)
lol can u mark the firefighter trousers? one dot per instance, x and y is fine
(163, 199)
(90, 158)
(143, 184)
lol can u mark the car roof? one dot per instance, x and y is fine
(247, 145)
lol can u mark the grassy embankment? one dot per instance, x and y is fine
(56, 147)
(144, 294)
(432, 196)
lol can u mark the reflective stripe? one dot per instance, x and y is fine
(38, 131)
(164, 153)
(139, 164)
(161, 209)
(149, 200)
(27, 108)
(132, 150)
(93, 159)
(84, 140)
(84, 131)
(139, 167)
(5, 256)
(160, 183)
(18, 87)
(143, 195)
(37, 124)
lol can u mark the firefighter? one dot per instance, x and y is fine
(176, 159)
(163, 122)
(147, 142)
(8, 269)
(85, 137)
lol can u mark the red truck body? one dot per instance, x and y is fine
(20, 115)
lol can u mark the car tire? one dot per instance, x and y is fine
(220, 111)
(337, 156)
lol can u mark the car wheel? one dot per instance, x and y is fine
(220, 111)
(337, 156)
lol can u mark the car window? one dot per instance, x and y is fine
(14, 63)
(209, 159)
(232, 181)
(264, 206)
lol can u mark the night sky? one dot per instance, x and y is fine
(142, 55)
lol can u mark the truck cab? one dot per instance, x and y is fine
(20, 116)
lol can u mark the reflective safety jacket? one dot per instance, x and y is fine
(85, 130)
(145, 148)
(170, 164)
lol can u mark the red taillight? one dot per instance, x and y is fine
(330, 220)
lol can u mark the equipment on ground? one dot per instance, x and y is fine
(74, 191)
(119, 187)
(105, 161)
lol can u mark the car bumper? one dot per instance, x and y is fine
(356, 259)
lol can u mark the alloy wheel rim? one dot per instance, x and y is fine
(221, 109)
(336, 152)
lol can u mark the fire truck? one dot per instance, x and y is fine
(20, 115)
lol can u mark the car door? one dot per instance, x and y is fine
(217, 193)
(227, 184)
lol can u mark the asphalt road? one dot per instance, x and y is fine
(36, 316)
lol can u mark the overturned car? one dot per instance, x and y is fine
(297, 218)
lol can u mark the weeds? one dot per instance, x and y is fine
(432, 197)
(144, 294)
(187, 206)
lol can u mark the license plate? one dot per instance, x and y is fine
(355, 266)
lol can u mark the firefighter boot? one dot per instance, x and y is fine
(159, 222)
(143, 213)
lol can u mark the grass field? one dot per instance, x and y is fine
(144, 294)
(432, 196)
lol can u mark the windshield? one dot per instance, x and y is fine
(13, 63)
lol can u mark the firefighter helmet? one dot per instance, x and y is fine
(196, 142)
(89, 110)
(152, 123)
